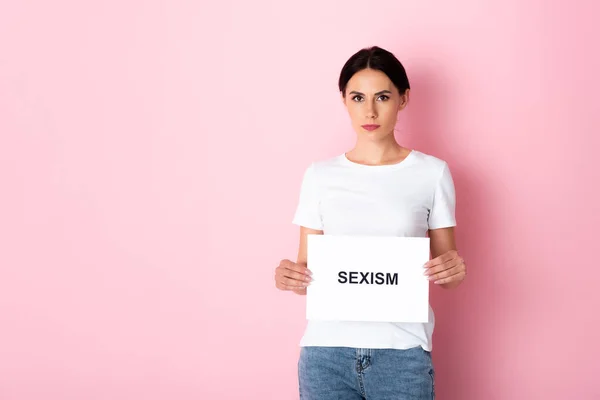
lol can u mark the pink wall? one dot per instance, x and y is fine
(150, 161)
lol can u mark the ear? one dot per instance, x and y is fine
(404, 100)
(343, 98)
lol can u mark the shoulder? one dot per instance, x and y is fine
(430, 160)
(431, 163)
(318, 172)
(330, 162)
(323, 166)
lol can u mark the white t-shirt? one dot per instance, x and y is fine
(341, 197)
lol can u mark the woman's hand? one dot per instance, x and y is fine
(449, 269)
(292, 276)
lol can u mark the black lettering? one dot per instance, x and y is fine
(365, 276)
(391, 279)
(368, 278)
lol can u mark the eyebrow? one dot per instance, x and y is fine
(376, 94)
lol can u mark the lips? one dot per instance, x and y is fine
(370, 127)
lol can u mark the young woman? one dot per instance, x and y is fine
(378, 188)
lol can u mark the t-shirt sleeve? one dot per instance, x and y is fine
(442, 212)
(307, 211)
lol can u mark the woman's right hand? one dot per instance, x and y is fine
(292, 276)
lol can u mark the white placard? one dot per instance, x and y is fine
(366, 278)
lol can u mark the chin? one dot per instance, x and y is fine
(377, 134)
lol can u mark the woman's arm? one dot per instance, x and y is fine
(446, 265)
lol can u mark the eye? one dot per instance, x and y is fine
(357, 98)
(383, 97)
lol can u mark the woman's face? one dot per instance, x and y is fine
(373, 103)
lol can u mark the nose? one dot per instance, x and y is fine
(371, 112)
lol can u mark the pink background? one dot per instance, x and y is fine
(150, 162)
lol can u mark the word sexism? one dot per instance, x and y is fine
(369, 278)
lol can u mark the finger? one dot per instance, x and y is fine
(296, 275)
(283, 286)
(301, 268)
(300, 291)
(282, 273)
(288, 273)
(287, 269)
(444, 258)
(456, 277)
(447, 272)
(294, 282)
(281, 276)
(447, 256)
(442, 267)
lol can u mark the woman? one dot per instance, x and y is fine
(378, 188)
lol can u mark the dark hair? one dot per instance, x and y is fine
(378, 59)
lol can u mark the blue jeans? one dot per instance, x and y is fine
(344, 373)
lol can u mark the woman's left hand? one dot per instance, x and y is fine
(447, 268)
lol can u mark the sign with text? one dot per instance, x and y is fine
(367, 278)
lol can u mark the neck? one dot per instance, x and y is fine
(385, 151)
